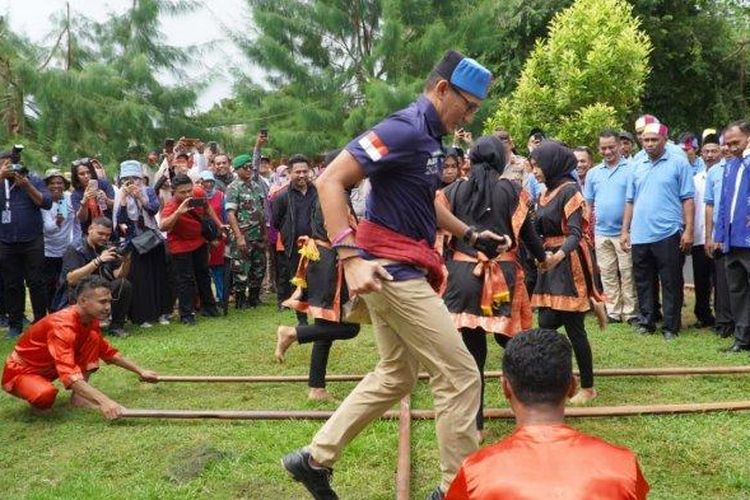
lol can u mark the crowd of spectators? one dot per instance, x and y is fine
(192, 228)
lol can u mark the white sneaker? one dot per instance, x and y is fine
(145, 324)
(164, 319)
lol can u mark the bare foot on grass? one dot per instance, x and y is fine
(285, 337)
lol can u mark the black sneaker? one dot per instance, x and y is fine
(188, 320)
(437, 494)
(669, 335)
(117, 331)
(644, 330)
(14, 331)
(317, 481)
(211, 312)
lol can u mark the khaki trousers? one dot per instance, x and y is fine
(616, 269)
(412, 327)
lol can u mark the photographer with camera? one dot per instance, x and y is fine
(95, 254)
(190, 223)
(135, 216)
(23, 195)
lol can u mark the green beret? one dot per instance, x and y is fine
(241, 160)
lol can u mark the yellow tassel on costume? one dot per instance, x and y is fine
(486, 311)
(310, 250)
(300, 282)
(501, 297)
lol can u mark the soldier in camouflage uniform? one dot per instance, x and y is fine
(246, 214)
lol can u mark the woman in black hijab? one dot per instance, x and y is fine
(484, 296)
(565, 291)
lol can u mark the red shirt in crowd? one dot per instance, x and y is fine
(549, 461)
(58, 346)
(185, 236)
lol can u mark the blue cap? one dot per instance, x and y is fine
(472, 77)
(207, 175)
(130, 168)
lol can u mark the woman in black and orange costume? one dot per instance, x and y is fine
(321, 292)
(568, 287)
(489, 296)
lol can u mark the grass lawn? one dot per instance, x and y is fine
(76, 454)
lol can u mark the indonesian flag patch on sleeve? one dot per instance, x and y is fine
(373, 146)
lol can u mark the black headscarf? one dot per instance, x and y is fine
(487, 163)
(556, 161)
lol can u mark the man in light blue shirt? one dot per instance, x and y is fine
(604, 191)
(711, 153)
(659, 210)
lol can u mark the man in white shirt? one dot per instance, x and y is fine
(703, 270)
(59, 221)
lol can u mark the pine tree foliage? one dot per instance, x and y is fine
(572, 86)
(94, 90)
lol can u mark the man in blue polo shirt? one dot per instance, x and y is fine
(604, 192)
(23, 195)
(659, 211)
(386, 266)
(733, 230)
(711, 153)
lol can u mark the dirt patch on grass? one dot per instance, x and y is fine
(189, 463)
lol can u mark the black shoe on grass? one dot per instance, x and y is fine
(316, 480)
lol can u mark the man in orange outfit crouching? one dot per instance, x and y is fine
(544, 458)
(68, 345)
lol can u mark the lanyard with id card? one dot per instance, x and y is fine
(6, 219)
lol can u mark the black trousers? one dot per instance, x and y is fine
(286, 289)
(476, 343)
(322, 333)
(191, 270)
(52, 268)
(576, 332)
(19, 262)
(703, 275)
(722, 306)
(122, 295)
(665, 259)
(738, 279)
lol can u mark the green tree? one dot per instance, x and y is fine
(94, 90)
(572, 86)
(336, 67)
(700, 61)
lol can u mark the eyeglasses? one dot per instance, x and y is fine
(81, 161)
(471, 107)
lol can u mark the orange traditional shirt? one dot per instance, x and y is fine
(58, 346)
(549, 462)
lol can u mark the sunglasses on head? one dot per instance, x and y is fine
(81, 161)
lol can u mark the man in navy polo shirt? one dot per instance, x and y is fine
(604, 191)
(23, 195)
(733, 230)
(392, 265)
(659, 210)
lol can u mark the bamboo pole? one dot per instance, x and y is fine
(490, 413)
(403, 472)
(604, 372)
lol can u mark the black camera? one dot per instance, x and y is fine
(15, 161)
(122, 249)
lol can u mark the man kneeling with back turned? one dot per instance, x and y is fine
(544, 458)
